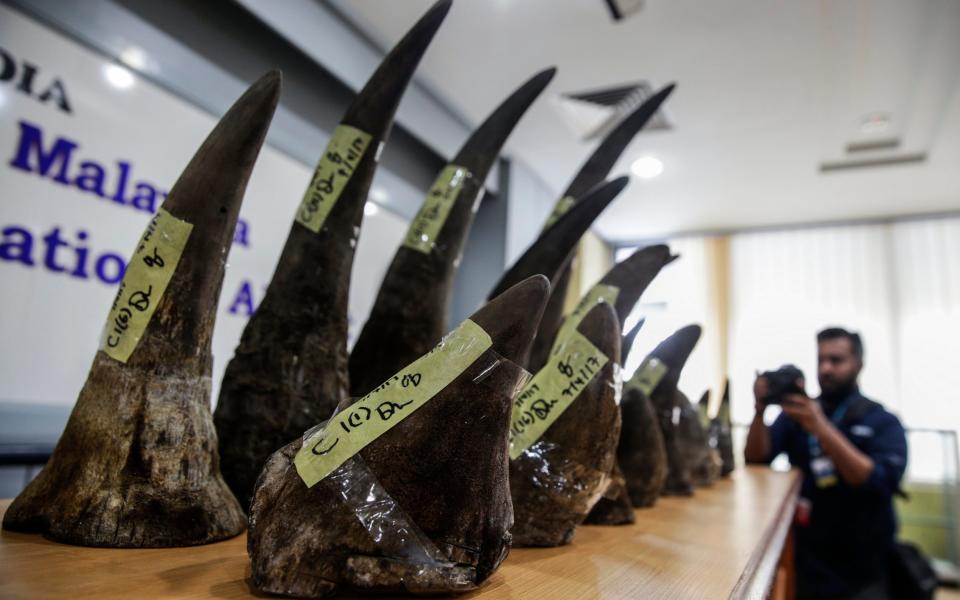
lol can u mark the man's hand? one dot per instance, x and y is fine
(760, 389)
(805, 411)
(757, 448)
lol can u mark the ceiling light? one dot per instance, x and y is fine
(370, 209)
(134, 58)
(118, 76)
(379, 194)
(647, 167)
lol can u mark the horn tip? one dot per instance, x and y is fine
(267, 87)
(440, 8)
(547, 73)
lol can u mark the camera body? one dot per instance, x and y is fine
(781, 382)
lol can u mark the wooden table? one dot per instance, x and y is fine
(725, 542)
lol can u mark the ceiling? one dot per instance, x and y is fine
(767, 91)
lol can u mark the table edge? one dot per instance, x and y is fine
(756, 581)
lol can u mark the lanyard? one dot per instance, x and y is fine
(837, 418)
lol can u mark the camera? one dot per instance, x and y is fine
(780, 382)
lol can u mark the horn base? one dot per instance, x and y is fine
(615, 508)
(136, 467)
(555, 483)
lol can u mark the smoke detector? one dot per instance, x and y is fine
(593, 113)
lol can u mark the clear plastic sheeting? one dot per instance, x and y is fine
(389, 526)
(558, 475)
(502, 374)
(617, 383)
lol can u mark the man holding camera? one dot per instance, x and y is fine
(852, 454)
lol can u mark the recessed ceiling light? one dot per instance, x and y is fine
(647, 167)
(134, 57)
(370, 209)
(118, 76)
(379, 194)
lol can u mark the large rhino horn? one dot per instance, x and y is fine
(290, 368)
(553, 249)
(433, 490)
(723, 413)
(674, 352)
(633, 275)
(630, 276)
(593, 171)
(137, 465)
(628, 338)
(606, 155)
(411, 310)
(557, 480)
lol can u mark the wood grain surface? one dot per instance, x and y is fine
(722, 543)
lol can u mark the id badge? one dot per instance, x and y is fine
(824, 472)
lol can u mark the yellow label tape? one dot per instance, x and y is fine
(336, 166)
(598, 293)
(561, 208)
(649, 375)
(144, 282)
(571, 367)
(426, 226)
(350, 430)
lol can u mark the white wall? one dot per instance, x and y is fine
(51, 320)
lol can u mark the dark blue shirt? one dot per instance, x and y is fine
(845, 543)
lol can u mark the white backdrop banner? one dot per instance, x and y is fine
(89, 151)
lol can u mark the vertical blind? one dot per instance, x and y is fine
(898, 284)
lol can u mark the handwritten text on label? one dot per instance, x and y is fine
(426, 226)
(146, 279)
(572, 366)
(350, 430)
(336, 166)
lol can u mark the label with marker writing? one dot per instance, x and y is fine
(598, 293)
(337, 164)
(351, 429)
(571, 367)
(144, 282)
(561, 208)
(648, 375)
(426, 226)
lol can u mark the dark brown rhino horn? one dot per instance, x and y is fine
(411, 311)
(615, 507)
(631, 276)
(634, 274)
(694, 442)
(290, 369)
(703, 407)
(641, 453)
(137, 464)
(551, 252)
(720, 431)
(445, 467)
(674, 352)
(626, 345)
(596, 168)
(554, 490)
